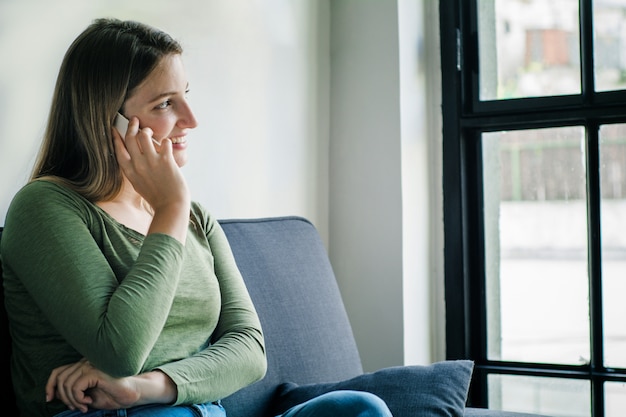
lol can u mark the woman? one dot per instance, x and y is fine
(122, 293)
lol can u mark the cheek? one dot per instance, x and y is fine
(159, 134)
(160, 129)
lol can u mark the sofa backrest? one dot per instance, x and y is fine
(307, 333)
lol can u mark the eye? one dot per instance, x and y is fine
(164, 105)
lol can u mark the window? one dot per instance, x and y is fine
(534, 144)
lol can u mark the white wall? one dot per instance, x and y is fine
(318, 108)
(253, 76)
(382, 229)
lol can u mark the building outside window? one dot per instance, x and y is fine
(534, 106)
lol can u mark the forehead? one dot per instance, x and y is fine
(167, 77)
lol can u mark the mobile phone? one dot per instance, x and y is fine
(121, 124)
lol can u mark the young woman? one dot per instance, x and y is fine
(123, 294)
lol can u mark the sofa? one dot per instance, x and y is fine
(310, 345)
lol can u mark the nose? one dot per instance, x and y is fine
(187, 118)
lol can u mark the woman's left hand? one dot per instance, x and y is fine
(81, 386)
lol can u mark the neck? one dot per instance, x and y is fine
(129, 209)
(131, 198)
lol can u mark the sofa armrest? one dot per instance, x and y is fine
(483, 412)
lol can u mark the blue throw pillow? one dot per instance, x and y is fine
(437, 390)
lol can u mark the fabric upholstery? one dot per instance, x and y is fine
(307, 334)
(437, 390)
(482, 412)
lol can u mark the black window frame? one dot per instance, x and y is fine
(465, 118)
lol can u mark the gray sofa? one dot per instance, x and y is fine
(309, 341)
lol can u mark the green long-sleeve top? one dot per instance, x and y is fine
(79, 284)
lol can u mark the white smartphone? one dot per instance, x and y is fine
(121, 124)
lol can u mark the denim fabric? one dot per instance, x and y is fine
(154, 410)
(341, 403)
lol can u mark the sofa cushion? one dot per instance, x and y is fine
(437, 390)
(308, 337)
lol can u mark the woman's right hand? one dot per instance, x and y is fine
(81, 386)
(155, 175)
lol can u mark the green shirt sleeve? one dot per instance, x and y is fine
(236, 356)
(48, 244)
(78, 284)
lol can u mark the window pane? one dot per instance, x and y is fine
(609, 42)
(528, 48)
(536, 245)
(613, 230)
(614, 399)
(546, 396)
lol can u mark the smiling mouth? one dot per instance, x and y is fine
(175, 141)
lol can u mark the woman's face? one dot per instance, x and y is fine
(160, 103)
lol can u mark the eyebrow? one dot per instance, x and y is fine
(166, 94)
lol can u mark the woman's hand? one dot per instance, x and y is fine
(155, 175)
(153, 172)
(81, 386)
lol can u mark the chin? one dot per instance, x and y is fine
(181, 160)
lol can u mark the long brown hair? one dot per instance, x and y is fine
(100, 70)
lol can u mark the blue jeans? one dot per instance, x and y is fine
(155, 410)
(341, 404)
(332, 404)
